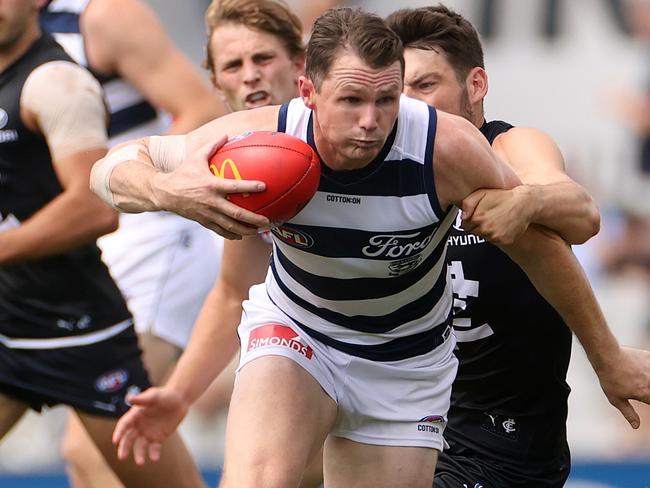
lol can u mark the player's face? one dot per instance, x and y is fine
(355, 110)
(252, 68)
(429, 77)
(15, 19)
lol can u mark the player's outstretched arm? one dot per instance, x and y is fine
(462, 164)
(135, 45)
(548, 196)
(624, 373)
(63, 102)
(158, 411)
(172, 173)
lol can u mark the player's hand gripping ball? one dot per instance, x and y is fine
(288, 165)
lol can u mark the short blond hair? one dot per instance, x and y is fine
(270, 16)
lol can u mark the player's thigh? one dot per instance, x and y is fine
(11, 411)
(85, 465)
(313, 475)
(348, 463)
(158, 355)
(175, 468)
(279, 415)
(78, 447)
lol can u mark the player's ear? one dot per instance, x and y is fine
(307, 90)
(477, 84)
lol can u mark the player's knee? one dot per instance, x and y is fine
(268, 473)
(258, 479)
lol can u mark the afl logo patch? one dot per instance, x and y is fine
(112, 381)
(4, 118)
(432, 419)
(293, 237)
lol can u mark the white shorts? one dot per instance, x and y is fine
(399, 403)
(165, 266)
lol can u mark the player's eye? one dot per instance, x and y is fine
(231, 67)
(263, 59)
(351, 100)
(386, 100)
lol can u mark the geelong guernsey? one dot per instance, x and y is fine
(59, 296)
(131, 115)
(509, 399)
(362, 267)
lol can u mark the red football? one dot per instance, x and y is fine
(288, 165)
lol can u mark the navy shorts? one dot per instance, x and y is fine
(92, 378)
(467, 471)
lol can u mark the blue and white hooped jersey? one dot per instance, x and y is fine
(131, 115)
(362, 267)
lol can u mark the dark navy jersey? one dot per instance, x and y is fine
(510, 395)
(61, 295)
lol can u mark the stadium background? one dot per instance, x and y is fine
(564, 67)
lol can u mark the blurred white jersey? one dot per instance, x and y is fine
(164, 264)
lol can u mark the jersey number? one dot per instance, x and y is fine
(464, 288)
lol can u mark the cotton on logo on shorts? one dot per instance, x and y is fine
(278, 335)
(424, 424)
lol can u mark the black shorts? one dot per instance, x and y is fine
(93, 378)
(467, 471)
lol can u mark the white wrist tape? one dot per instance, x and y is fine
(167, 152)
(100, 177)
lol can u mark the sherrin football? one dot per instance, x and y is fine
(288, 165)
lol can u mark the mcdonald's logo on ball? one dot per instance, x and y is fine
(287, 165)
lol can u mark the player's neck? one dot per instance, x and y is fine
(13, 51)
(477, 115)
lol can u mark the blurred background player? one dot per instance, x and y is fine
(507, 421)
(163, 264)
(66, 336)
(629, 255)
